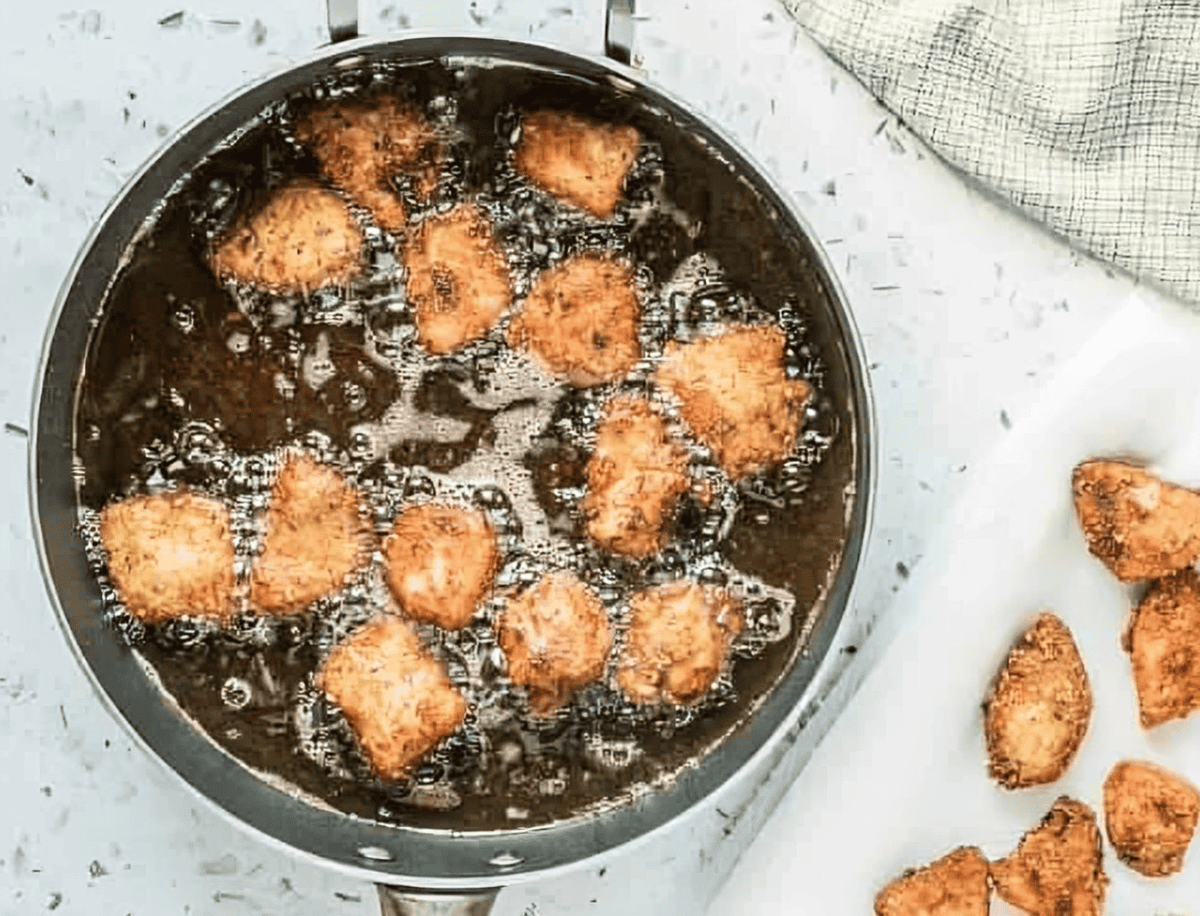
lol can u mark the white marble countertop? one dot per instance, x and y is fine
(965, 311)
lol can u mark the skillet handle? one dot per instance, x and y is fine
(618, 30)
(343, 19)
(404, 901)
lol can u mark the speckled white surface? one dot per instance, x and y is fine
(965, 311)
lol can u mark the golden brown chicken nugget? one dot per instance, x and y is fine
(576, 159)
(635, 477)
(1140, 527)
(1057, 869)
(954, 885)
(441, 561)
(556, 638)
(1150, 815)
(170, 555)
(678, 641)
(395, 694)
(364, 144)
(736, 397)
(458, 279)
(1038, 708)
(581, 320)
(316, 535)
(1163, 641)
(302, 238)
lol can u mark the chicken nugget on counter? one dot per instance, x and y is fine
(736, 396)
(1038, 708)
(364, 144)
(1057, 869)
(635, 477)
(1163, 642)
(556, 638)
(302, 238)
(458, 279)
(170, 555)
(576, 159)
(1150, 815)
(441, 561)
(317, 534)
(581, 320)
(954, 885)
(678, 641)
(1140, 527)
(394, 693)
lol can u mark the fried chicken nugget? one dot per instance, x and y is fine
(394, 693)
(441, 561)
(170, 555)
(1163, 642)
(301, 239)
(556, 638)
(1038, 708)
(1140, 527)
(1150, 815)
(736, 397)
(316, 536)
(635, 477)
(363, 144)
(954, 885)
(1057, 869)
(458, 279)
(576, 159)
(581, 320)
(678, 641)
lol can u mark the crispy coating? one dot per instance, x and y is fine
(635, 477)
(170, 555)
(457, 278)
(581, 320)
(954, 885)
(576, 159)
(1150, 816)
(1057, 869)
(1140, 527)
(678, 641)
(316, 536)
(395, 694)
(301, 239)
(556, 638)
(736, 397)
(1163, 642)
(364, 144)
(441, 561)
(1038, 708)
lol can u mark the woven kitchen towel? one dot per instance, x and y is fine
(1085, 114)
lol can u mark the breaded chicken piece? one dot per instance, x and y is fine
(581, 320)
(1140, 527)
(1038, 708)
(678, 641)
(301, 239)
(1057, 869)
(395, 694)
(954, 885)
(1163, 642)
(576, 159)
(736, 397)
(316, 535)
(556, 638)
(1150, 815)
(170, 555)
(363, 144)
(458, 279)
(635, 477)
(441, 561)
